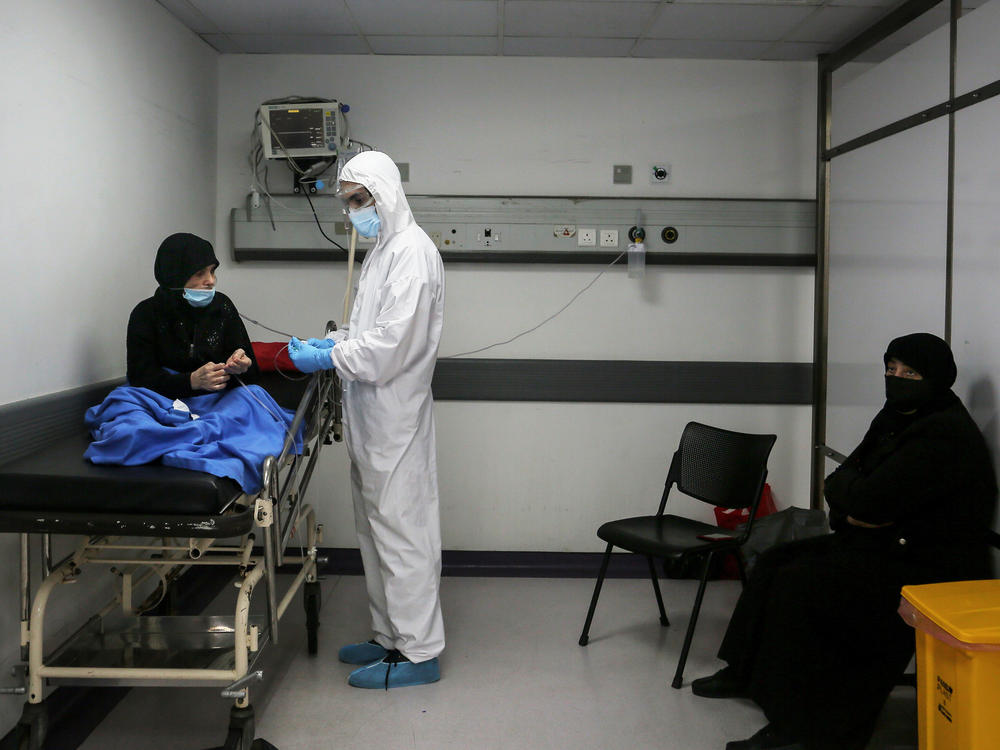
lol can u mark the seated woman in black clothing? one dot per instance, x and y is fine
(815, 638)
(187, 338)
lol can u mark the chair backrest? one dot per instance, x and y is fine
(720, 467)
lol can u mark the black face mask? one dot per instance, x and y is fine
(904, 394)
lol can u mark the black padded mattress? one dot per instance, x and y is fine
(58, 478)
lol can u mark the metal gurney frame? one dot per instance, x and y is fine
(178, 650)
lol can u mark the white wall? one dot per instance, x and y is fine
(108, 133)
(889, 226)
(976, 316)
(109, 145)
(526, 476)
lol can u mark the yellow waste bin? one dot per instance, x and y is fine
(958, 663)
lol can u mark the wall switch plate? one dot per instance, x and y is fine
(586, 237)
(609, 238)
(404, 171)
(621, 174)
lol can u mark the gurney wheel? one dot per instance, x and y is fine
(312, 600)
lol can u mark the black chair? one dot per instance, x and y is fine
(721, 467)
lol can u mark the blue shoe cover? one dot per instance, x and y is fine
(361, 653)
(395, 670)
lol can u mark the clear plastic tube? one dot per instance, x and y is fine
(636, 260)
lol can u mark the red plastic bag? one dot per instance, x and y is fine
(273, 356)
(730, 518)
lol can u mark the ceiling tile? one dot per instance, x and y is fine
(701, 49)
(576, 18)
(269, 17)
(430, 17)
(291, 44)
(836, 24)
(190, 16)
(566, 46)
(433, 45)
(721, 22)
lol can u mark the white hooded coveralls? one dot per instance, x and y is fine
(386, 362)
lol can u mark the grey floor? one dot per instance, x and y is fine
(513, 678)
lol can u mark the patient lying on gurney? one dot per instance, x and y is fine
(187, 348)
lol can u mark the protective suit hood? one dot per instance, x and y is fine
(379, 174)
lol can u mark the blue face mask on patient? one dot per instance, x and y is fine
(366, 221)
(199, 297)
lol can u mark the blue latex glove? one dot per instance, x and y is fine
(323, 344)
(309, 358)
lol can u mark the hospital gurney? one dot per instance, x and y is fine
(180, 517)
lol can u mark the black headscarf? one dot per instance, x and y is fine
(180, 256)
(932, 358)
(928, 355)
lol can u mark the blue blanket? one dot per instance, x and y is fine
(227, 434)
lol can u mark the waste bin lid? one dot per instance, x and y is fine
(967, 610)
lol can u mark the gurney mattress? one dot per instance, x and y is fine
(58, 478)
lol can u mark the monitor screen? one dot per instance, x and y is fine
(310, 129)
(296, 128)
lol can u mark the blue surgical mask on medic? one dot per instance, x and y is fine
(366, 221)
(199, 297)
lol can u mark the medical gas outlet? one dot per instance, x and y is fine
(488, 236)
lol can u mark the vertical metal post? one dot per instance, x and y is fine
(270, 581)
(956, 12)
(46, 554)
(25, 589)
(821, 295)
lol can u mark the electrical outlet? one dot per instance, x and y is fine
(435, 238)
(609, 238)
(586, 237)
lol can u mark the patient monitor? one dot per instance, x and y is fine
(310, 129)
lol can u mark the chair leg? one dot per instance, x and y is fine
(656, 590)
(679, 674)
(585, 636)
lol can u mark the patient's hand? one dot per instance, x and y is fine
(238, 363)
(211, 376)
(865, 525)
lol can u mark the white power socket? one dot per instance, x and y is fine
(586, 237)
(609, 238)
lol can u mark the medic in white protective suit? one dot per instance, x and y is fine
(386, 361)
